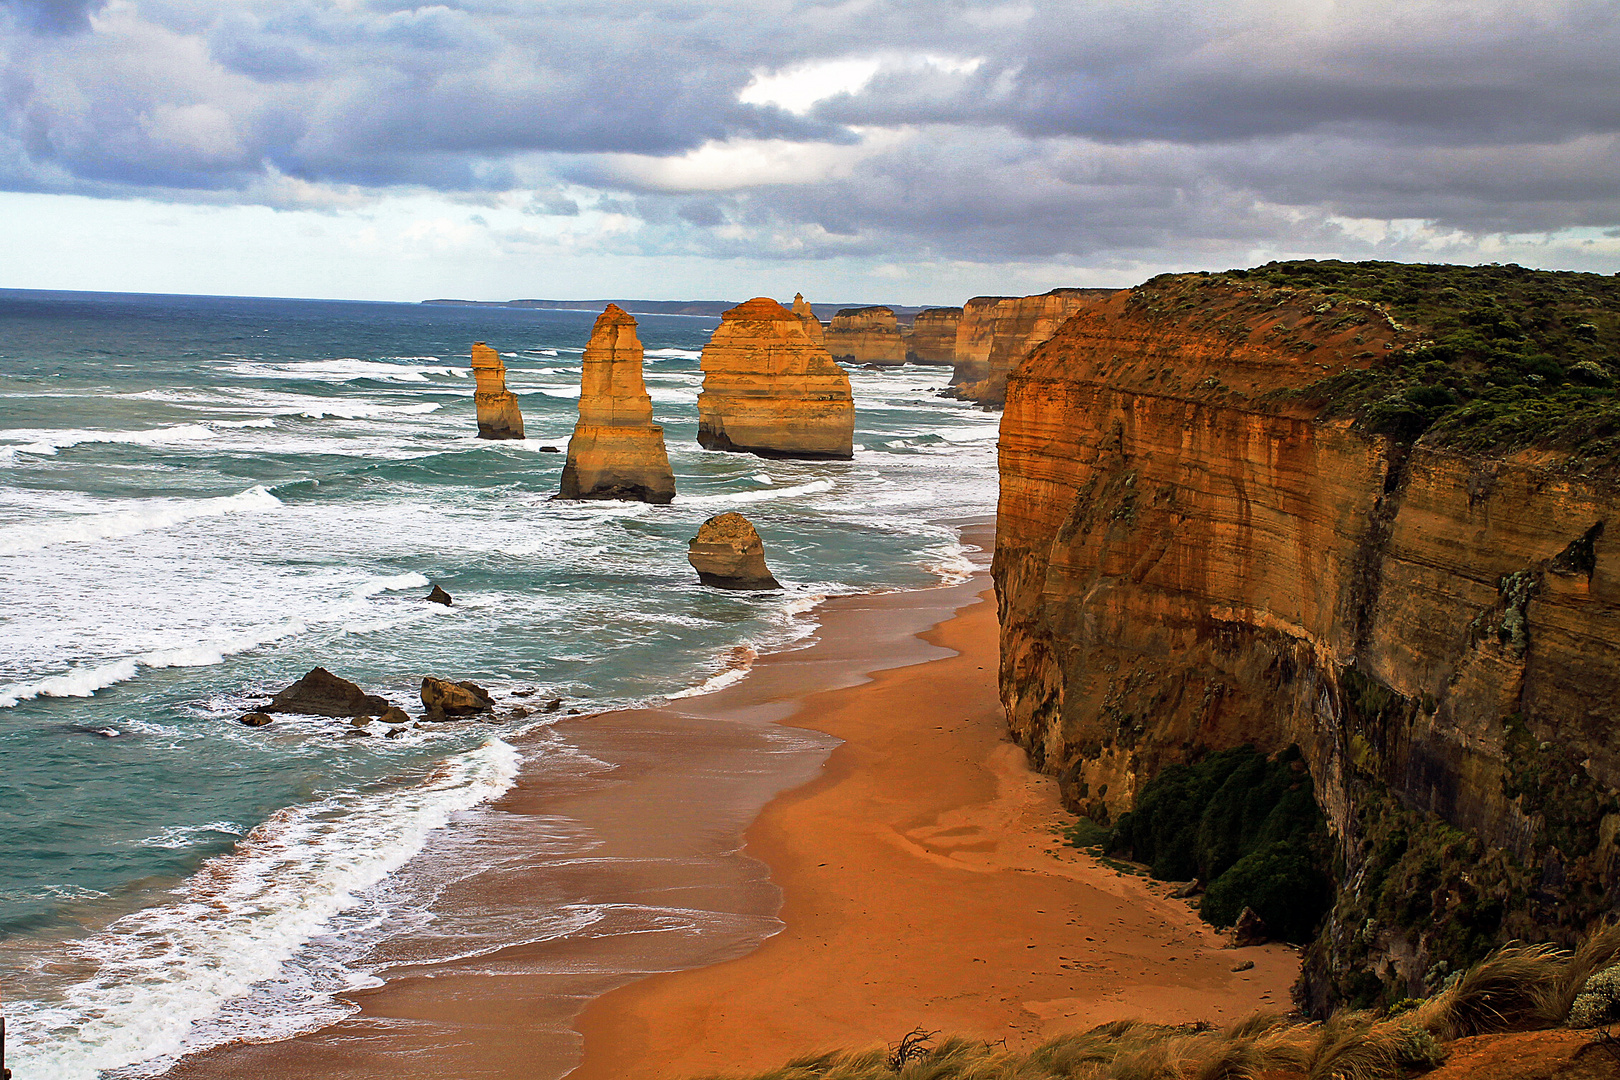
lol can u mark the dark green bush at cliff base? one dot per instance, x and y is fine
(1247, 826)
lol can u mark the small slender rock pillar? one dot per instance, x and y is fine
(727, 554)
(498, 415)
(617, 452)
(801, 308)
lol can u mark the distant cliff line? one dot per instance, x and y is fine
(705, 309)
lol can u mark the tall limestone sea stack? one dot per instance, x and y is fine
(802, 308)
(617, 452)
(498, 415)
(769, 389)
(933, 337)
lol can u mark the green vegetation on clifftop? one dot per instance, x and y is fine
(1496, 358)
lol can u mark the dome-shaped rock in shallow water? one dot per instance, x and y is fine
(498, 415)
(617, 452)
(727, 554)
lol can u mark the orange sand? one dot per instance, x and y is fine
(923, 886)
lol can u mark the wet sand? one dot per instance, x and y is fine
(924, 887)
(913, 865)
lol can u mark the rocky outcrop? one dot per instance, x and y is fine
(996, 332)
(321, 693)
(769, 389)
(443, 699)
(932, 339)
(498, 415)
(868, 335)
(727, 554)
(616, 452)
(439, 596)
(254, 719)
(1190, 556)
(812, 324)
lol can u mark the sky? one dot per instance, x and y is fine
(909, 152)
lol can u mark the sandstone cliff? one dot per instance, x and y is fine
(616, 452)
(869, 335)
(498, 415)
(933, 336)
(1193, 553)
(812, 324)
(769, 389)
(996, 332)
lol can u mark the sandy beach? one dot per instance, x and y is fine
(909, 876)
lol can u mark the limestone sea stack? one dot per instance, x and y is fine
(498, 415)
(801, 308)
(617, 452)
(769, 389)
(933, 336)
(868, 335)
(727, 554)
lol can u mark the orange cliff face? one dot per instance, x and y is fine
(498, 415)
(869, 335)
(996, 332)
(812, 325)
(1190, 557)
(933, 336)
(616, 452)
(768, 389)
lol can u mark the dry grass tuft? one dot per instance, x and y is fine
(1517, 988)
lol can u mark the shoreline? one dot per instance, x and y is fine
(705, 888)
(923, 887)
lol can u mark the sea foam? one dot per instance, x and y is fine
(143, 516)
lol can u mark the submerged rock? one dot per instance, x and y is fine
(727, 554)
(442, 698)
(617, 452)
(254, 719)
(321, 693)
(498, 415)
(769, 388)
(439, 596)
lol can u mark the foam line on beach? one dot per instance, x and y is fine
(163, 972)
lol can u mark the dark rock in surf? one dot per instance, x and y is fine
(321, 693)
(444, 699)
(394, 715)
(438, 596)
(254, 719)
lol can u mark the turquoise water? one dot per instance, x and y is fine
(202, 498)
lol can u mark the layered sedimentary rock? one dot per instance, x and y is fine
(801, 308)
(769, 389)
(498, 415)
(996, 332)
(727, 554)
(443, 699)
(932, 339)
(616, 452)
(1190, 557)
(868, 335)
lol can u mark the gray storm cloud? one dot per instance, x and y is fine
(977, 131)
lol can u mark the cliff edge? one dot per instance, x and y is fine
(1363, 510)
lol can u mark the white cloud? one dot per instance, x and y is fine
(736, 164)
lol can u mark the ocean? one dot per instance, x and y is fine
(201, 498)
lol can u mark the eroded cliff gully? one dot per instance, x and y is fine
(1190, 557)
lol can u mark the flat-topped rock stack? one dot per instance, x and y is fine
(769, 389)
(933, 336)
(801, 308)
(868, 335)
(727, 554)
(498, 415)
(616, 452)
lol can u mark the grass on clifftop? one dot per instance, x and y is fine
(1519, 988)
(1503, 357)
